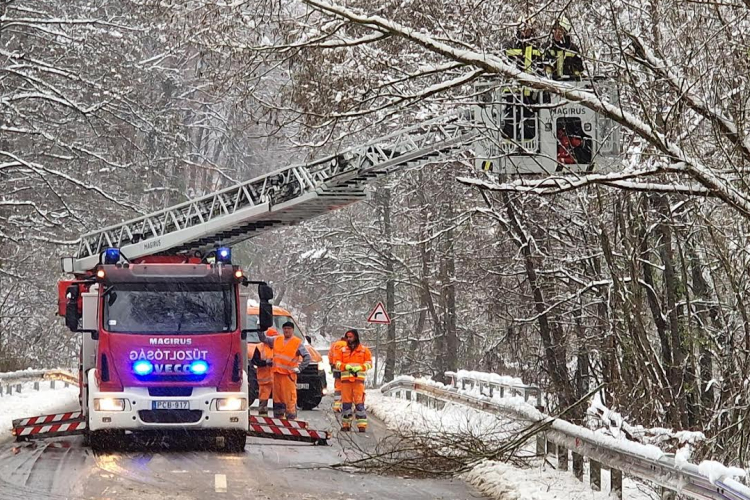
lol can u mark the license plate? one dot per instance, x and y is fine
(170, 405)
(303, 386)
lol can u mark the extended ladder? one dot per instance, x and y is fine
(283, 197)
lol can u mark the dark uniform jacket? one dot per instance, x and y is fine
(563, 59)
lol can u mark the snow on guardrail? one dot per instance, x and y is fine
(709, 480)
(11, 382)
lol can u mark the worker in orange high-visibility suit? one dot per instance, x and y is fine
(353, 360)
(263, 361)
(332, 355)
(289, 358)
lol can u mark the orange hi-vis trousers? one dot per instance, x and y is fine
(353, 395)
(336, 390)
(264, 393)
(285, 395)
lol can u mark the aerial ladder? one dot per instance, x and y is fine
(505, 136)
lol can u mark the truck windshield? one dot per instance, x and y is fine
(169, 308)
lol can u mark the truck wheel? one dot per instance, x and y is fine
(99, 440)
(310, 404)
(234, 442)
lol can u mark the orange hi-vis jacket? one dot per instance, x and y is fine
(360, 356)
(265, 373)
(333, 352)
(285, 358)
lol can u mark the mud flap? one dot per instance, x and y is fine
(46, 426)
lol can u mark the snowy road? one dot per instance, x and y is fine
(65, 469)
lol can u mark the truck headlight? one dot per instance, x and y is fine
(231, 404)
(109, 404)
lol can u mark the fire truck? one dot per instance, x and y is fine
(164, 345)
(161, 307)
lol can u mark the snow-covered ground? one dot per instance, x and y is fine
(497, 479)
(29, 403)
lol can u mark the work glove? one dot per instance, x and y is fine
(296, 370)
(348, 367)
(355, 369)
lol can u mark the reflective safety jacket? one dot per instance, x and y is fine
(563, 60)
(525, 55)
(360, 356)
(287, 355)
(333, 352)
(265, 373)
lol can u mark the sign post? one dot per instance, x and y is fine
(378, 316)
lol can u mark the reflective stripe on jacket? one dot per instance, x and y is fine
(285, 357)
(360, 356)
(528, 57)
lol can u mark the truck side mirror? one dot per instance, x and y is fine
(265, 293)
(266, 315)
(309, 339)
(72, 315)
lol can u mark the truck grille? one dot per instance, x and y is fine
(170, 416)
(170, 391)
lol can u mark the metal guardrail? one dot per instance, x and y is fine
(13, 382)
(638, 460)
(502, 388)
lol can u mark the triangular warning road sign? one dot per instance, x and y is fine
(378, 315)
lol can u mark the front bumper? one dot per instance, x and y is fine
(202, 412)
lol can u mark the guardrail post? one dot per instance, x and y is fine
(502, 391)
(562, 458)
(51, 384)
(36, 385)
(668, 494)
(67, 384)
(616, 483)
(1, 390)
(9, 389)
(18, 387)
(578, 466)
(595, 475)
(492, 389)
(541, 445)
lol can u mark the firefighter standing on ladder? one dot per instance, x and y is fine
(353, 360)
(287, 352)
(332, 356)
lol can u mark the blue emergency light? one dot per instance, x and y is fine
(112, 256)
(143, 367)
(198, 367)
(224, 255)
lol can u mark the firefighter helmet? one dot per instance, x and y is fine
(563, 23)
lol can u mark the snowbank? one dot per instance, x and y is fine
(410, 416)
(29, 403)
(499, 480)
